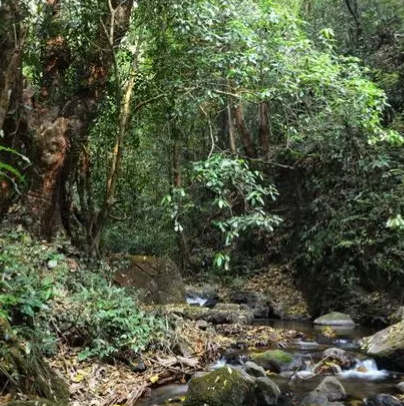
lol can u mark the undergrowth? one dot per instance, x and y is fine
(49, 295)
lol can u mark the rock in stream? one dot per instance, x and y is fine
(387, 347)
(231, 387)
(335, 319)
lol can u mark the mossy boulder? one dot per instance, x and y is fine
(158, 279)
(223, 387)
(387, 347)
(335, 319)
(274, 360)
(231, 387)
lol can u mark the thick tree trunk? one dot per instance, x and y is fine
(245, 135)
(44, 200)
(59, 124)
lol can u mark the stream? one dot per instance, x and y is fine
(361, 381)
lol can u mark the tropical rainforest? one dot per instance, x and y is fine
(223, 142)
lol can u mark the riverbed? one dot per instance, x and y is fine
(363, 380)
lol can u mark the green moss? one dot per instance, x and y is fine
(273, 355)
(223, 387)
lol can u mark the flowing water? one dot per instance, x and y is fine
(196, 300)
(361, 381)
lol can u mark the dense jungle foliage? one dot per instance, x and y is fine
(225, 134)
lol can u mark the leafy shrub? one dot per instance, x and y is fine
(25, 285)
(232, 195)
(106, 321)
(45, 296)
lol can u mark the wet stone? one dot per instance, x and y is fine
(254, 370)
(382, 400)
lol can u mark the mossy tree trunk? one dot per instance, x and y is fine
(56, 124)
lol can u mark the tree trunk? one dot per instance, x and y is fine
(177, 164)
(352, 6)
(232, 138)
(115, 167)
(245, 135)
(177, 183)
(263, 131)
(60, 123)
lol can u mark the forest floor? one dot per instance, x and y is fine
(273, 284)
(93, 382)
(55, 299)
(55, 293)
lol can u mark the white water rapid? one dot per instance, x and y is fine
(196, 300)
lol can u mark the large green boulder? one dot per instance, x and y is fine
(387, 347)
(231, 387)
(225, 386)
(274, 360)
(335, 319)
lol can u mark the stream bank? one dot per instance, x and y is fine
(361, 380)
(194, 346)
(80, 308)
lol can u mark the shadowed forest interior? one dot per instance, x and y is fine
(175, 176)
